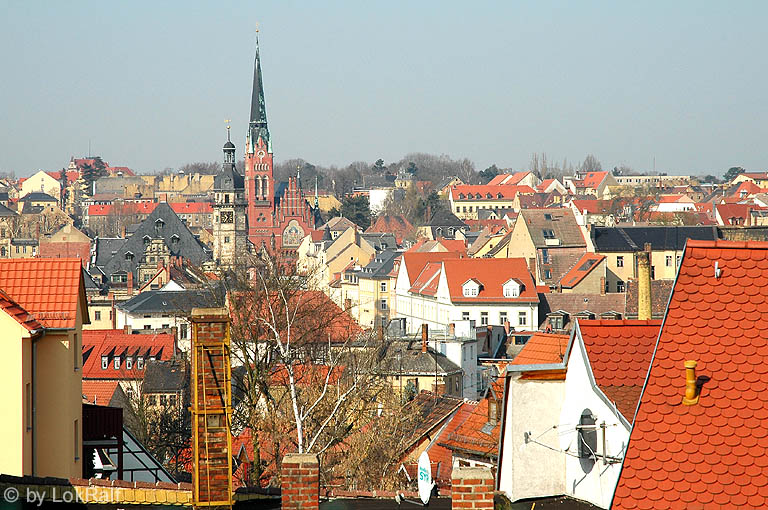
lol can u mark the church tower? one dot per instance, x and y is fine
(229, 217)
(259, 180)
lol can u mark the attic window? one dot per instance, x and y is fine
(494, 411)
(140, 363)
(128, 255)
(548, 216)
(147, 239)
(159, 223)
(175, 239)
(129, 362)
(499, 195)
(548, 233)
(488, 195)
(461, 196)
(117, 362)
(104, 362)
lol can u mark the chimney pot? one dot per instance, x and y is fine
(691, 391)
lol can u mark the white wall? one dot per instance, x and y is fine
(532, 469)
(595, 484)
(157, 321)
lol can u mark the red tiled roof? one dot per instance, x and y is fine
(545, 184)
(542, 348)
(506, 191)
(749, 187)
(620, 353)
(755, 175)
(129, 208)
(441, 457)
(18, 313)
(49, 289)
(593, 206)
(99, 392)
(713, 454)
(581, 269)
(112, 170)
(192, 207)
(72, 175)
(415, 261)
(508, 179)
(493, 274)
(669, 199)
(426, 282)
(730, 211)
(116, 342)
(593, 179)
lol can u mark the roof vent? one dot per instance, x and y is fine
(691, 388)
(717, 270)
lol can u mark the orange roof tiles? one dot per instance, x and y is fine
(18, 313)
(593, 179)
(415, 261)
(542, 349)
(493, 274)
(581, 269)
(713, 454)
(426, 282)
(593, 206)
(99, 392)
(488, 192)
(116, 342)
(50, 289)
(620, 353)
(506, 179)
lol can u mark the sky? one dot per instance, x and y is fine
(149, 84)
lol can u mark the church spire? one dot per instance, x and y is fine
(258, 122)
(317, 198)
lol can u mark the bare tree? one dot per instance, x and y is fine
(591, 164)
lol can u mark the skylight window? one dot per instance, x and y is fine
(548, 233)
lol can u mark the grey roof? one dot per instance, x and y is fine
(165, 376)
(561, 222)
(406, 358)
(258, 121)
(115, 184)
(661, 238)
(5, 212)
(228, 179)
(445, 218)
(164, 224)
(106, 248)
(37, 196)
(380, 241)
(172, 302)
(380, 266)
(339, 223)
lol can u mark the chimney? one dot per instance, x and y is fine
(452, 329)
(472, 487)
(691, 391)
(300, 482)
(602, 285)
(644, 286)
(127, 329)
(506, 327)
(532, 265)
(424, 337)
(130, 280)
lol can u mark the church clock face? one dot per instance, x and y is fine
(227, 217)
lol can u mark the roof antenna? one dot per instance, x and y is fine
(717, 270)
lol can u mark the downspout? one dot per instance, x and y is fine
(33, 425)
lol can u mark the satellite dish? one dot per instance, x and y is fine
(425, 478)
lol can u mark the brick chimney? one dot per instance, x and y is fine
(644, 286)
(472, 488)
(300, 482)
(130, 280)
(602, 285)
(424, 337)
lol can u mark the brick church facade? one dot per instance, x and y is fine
(278, 217)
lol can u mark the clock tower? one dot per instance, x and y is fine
(229, 220)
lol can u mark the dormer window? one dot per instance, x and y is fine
(499, 195)
(471, 288)
(147, 239)
(129, 362)
(461, 196)
(104, 362)
(117, 362)
(140, 363)
(159, 223)
(512, 288)
(174, 239)
(128, 255)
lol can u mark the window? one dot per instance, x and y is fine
(117, 362)
(465, 316)
(547, 274)
(619, 261)
(104, 362)
(653, 272)
(522, 318)
(556, 321)
(97, 315)
(182, 331)
(140, 363)
(383, 286)
(548, 233)
(494, 412)
(678, 261)
(502, 318)
(226, 239)
(521, 339)
(163, 400)
(383, 304)
(129, 362)
(484, 318)
(166, 326)
(511, 291)
(545, 256)
(172, 400)
(128, 255)
(668, 260)
(147, 326)
(470, 291)
(620, 286)
(77, 441)
(547, 216)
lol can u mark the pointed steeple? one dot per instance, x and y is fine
(258, 123)
(317, 198)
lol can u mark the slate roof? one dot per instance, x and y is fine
(37, 196)
(228, 179)
(661, 238)
(5, 212)
(380, 266)
(619, 353)
(161, 223)
(406, 358)
(432, 410)
(559, 263)
(176, 302)
(379, 240)
(165, 376)
(445, 218)
(50, 289)
(713, 454)
(560, 221)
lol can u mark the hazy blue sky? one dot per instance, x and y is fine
(150, 83)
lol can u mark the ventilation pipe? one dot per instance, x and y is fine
(691, 391)
(644, 285)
